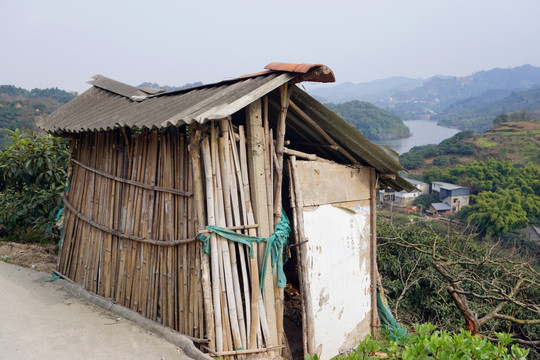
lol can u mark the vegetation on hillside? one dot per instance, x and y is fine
(511, 138)
(33, 174)
(477, 113)
(448, 150)
(504, 198)
(19, 108)
(373, 122)
(444, 275)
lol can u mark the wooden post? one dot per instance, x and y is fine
(307, 311)
(284, 92)
(257, 181)
(373, 249)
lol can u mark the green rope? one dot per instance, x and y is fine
(274, 248)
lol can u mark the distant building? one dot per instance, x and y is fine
(422, 187)
(404, 198)
(439, 208)
(531, 233)
(454, 195)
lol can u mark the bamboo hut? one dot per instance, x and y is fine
(185, 206)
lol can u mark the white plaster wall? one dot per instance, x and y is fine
(338, 271)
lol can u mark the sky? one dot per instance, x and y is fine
(63, 43)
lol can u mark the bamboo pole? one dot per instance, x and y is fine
(230, 198)
(221, 220)
(247, 212)
(238, 199)
(146, 223)
(213, 244)
(257, 182)
(111, 196)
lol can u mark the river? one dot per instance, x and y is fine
(423, 132)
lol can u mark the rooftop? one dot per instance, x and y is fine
(111, 104)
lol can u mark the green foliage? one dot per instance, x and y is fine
(500, 212)
(506, 197)
(373, 122)
(32, 176)
(425, 200)
(428, 342)
(414, 159)
(410, 259)
(440, 161)
(19, 108)
(61, 96)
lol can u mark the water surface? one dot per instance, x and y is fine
(423, 132)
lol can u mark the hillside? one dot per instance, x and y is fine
(464, 102)
(478, 112)
(373, 91)
(168, 87)
(373, 122)
(518, 142)
(20, 108)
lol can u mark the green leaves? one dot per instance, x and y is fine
(430, 343)
(33, 173)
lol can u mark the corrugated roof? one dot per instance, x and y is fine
(441, 206)
(100, 108)
(110, 104)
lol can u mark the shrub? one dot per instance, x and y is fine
(33, 173)
(430, 343)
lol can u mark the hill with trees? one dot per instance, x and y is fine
(477, 113)
(373, 122)
(513, 138)
(367, 91)
(20, 108)
(465, 102)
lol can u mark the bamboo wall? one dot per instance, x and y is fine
(129, 229)
(132, 216)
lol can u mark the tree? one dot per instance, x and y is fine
(425, 200)
(498, 212)
(33, 173)
(501, 118)
(438, 274)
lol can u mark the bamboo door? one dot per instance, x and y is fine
(333, 213)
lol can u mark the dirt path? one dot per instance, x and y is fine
(41, 320)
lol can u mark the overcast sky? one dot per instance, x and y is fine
(62, 43)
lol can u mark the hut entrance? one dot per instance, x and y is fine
(333, 262)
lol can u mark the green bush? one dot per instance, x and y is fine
(430, 343)
(33, 173)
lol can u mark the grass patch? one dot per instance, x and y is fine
(483, 142)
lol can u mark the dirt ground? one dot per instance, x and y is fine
(34, 256)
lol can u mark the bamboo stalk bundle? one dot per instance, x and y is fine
(117, 242)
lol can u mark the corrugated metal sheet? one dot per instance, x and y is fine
(100, 109)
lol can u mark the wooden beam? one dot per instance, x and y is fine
(373, 248)
(323, 133)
